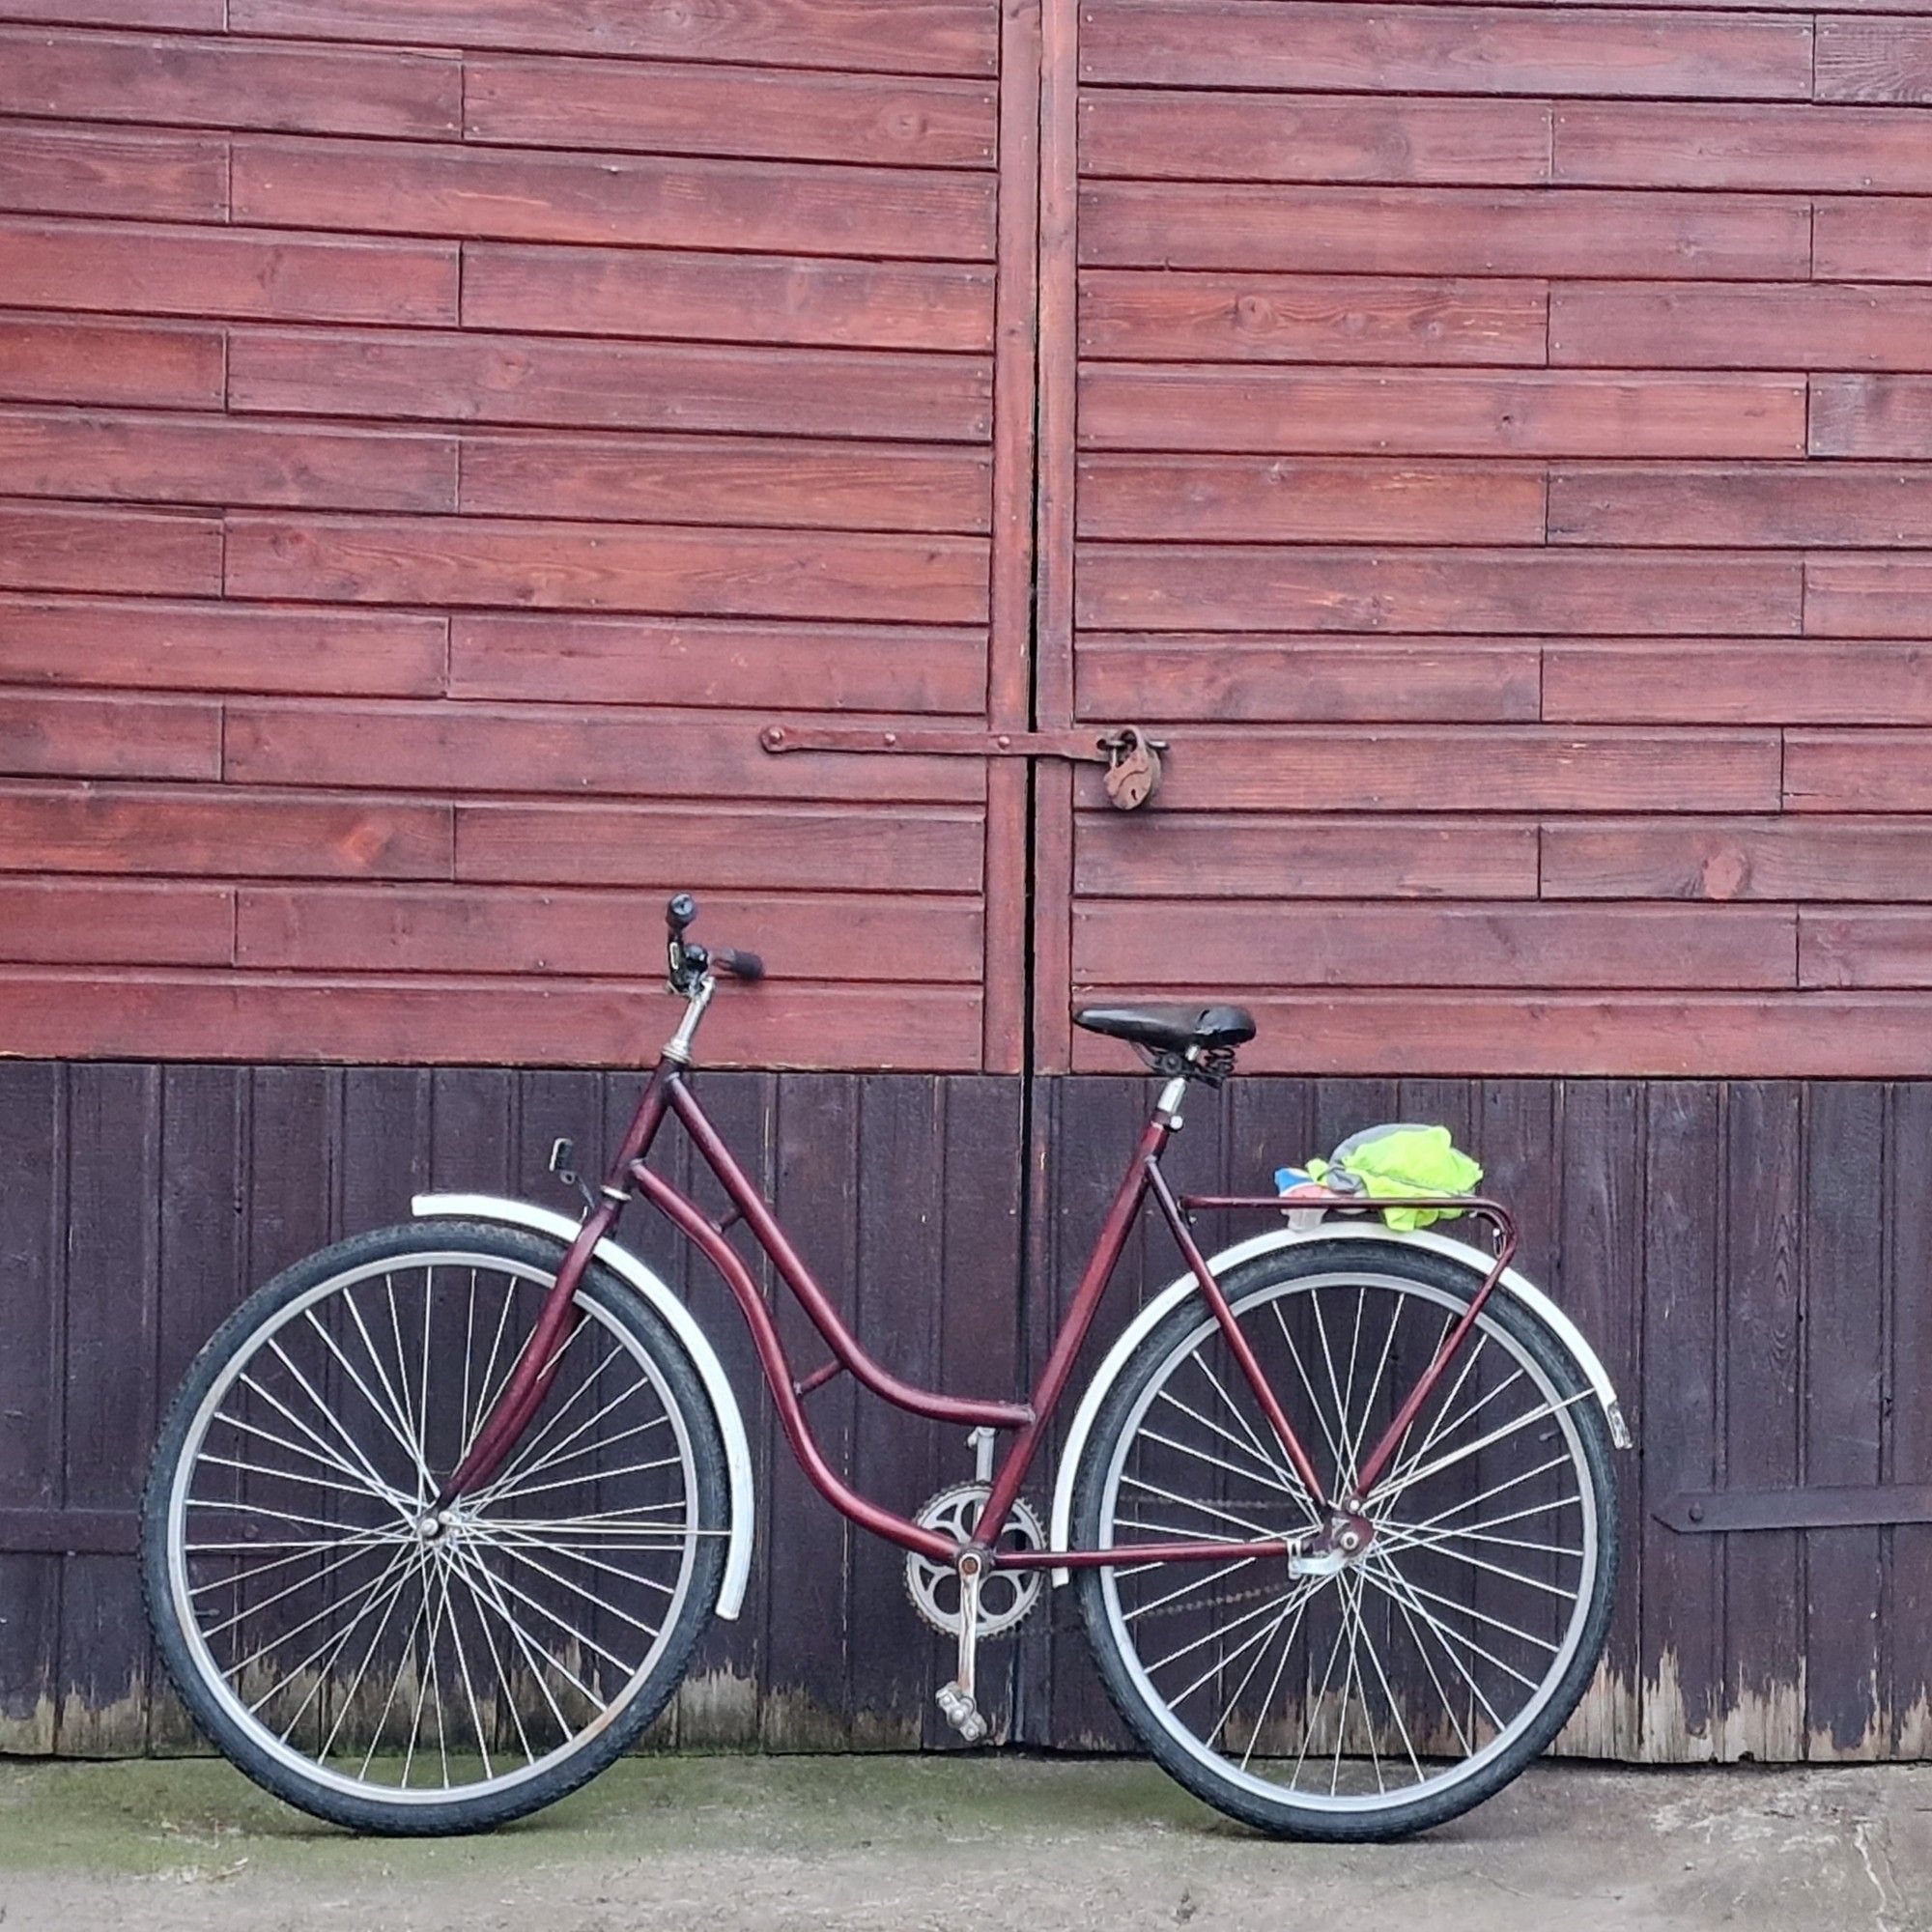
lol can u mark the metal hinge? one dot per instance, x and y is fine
(1131, 757)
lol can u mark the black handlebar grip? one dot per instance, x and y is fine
(740, 965)
(680, 912)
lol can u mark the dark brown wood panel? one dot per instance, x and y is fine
(57, 359)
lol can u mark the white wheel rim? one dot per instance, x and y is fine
(1564, 1654)
(683, 1536)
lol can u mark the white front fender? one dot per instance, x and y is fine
(678, 1317)
(1524, 1289)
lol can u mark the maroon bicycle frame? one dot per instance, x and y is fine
(669, 1093)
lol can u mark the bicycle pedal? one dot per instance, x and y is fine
(958, 1709)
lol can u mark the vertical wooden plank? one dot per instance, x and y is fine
(719, 1702)
(1053, 512)
(384, 1154)
(979, 1313)
(807, 1694)
(113, 1246)
(1599, 1157)
(1009, 638)
(1091, 1125)
(203, 1198)
(1681, 1655)
(1909, 1613)
(32, 1214)
(472, 1143)
(897, 1460)
(1844, 1389)
(1763, 1717)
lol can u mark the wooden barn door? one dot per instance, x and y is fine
(1424, 451)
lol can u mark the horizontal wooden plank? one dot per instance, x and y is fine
(47, 169)
(1262, 499)
(1872, 238)
(221, 833)
(1780, 505)
(638, 200)
(1865, 946)
(166, 271)
(1797, 1036)
(510, 929)
(1135, 315)
(1313, 681)
(1161, 134)
(729, 480)
(787, 299)
(1709, 326)
(85, 922)
(1466, 768)
(530, 379)
(153, 644)
(1737, 681)
(1436, 231)
(660, 661)
(721, 845)
(172, 14)
(1874, 60)
(1782, 858)
(229, 83)
(143, 457)
(750, 113)
(896, 36)
(56, 358)
(1440, 412)
(63, 736)
(1858, 771)
(67, 546)
(1336, 944)
(1872, 416)
(1170, 855)
(173, 1014)
(1257, 587)
(1645, 144)
(469, 748)
(1437, 49)
(705, 571)
(1869, 596)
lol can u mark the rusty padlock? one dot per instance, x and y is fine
(1133, 768)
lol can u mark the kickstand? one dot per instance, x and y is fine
(956, 1702)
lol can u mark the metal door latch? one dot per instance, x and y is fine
(1131, 757)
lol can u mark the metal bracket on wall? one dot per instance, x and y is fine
(1131, 757)
(1862, 1506)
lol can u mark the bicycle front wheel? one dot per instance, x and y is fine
(1378, 1693)
(385, 1666)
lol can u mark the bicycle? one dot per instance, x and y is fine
(441, 1511)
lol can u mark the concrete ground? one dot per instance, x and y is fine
(724, 1843)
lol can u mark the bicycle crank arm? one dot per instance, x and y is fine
(956, 1702)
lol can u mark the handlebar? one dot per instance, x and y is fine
(690, 962)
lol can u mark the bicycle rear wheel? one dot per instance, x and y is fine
(1377, 1694)
(375, 1661)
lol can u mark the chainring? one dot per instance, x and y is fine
(1006, 1595)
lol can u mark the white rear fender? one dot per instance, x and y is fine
(1144, 1323)
(678, 1319)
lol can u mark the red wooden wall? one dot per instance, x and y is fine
(433, 439)
(1496, 441)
